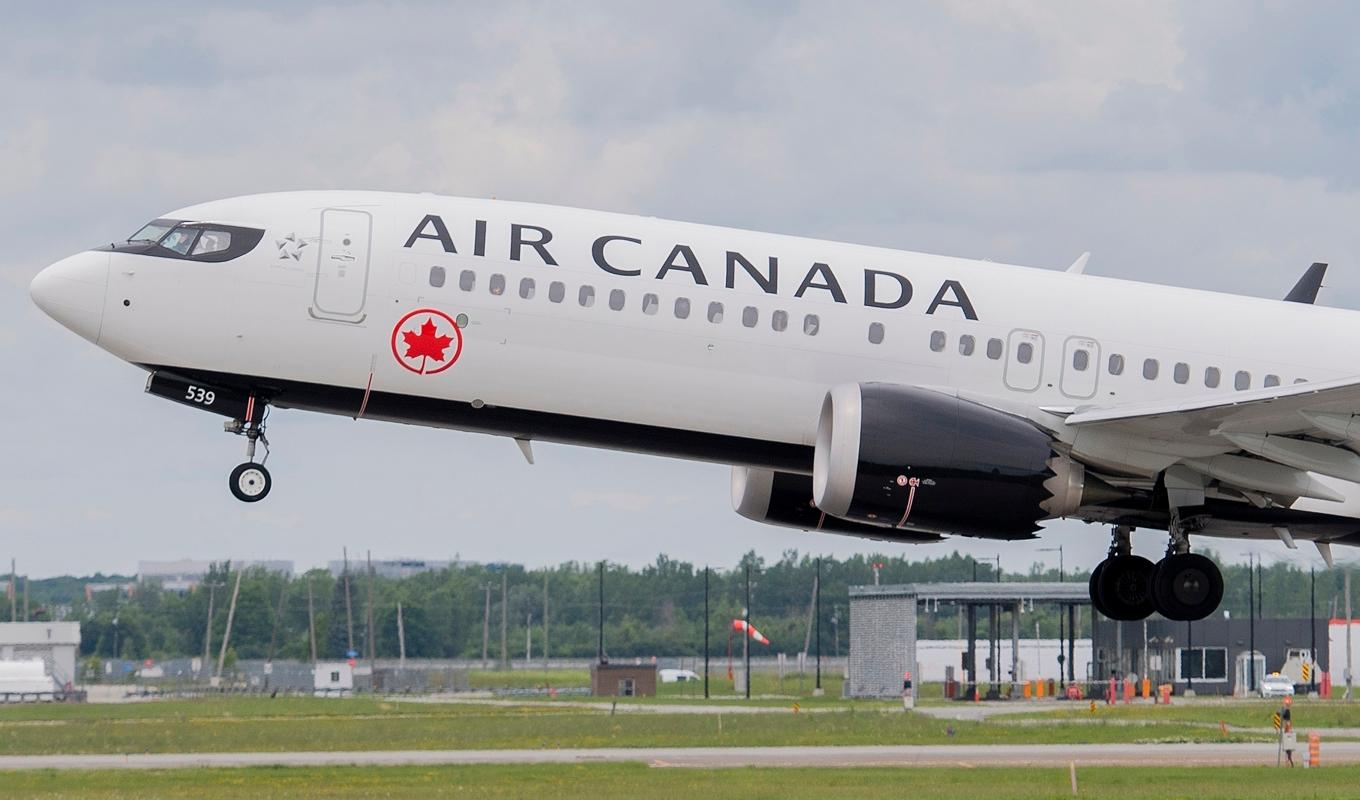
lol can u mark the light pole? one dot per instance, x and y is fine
(1059, 549)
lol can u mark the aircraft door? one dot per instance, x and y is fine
(1080, 367)
(342, 264)
(1025, 360)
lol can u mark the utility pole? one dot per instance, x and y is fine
(401, 638)
(599, 646)
(1349, 625)
(278, 617)
(25, 598)
(349, 612)
(545, 622)
(486, 625)
(1312, 628)
(231, 616)
(706, 572)
(1251, 625)
(368, 614)
(528, 637)
(207, 634)
(13, 594)
(311, 620)
(817, 606)
(746, 637)
(505, 620)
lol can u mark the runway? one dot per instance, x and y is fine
(1035, 755)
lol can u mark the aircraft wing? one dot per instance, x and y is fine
(1271, 443)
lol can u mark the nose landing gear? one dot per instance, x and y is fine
(250, 482)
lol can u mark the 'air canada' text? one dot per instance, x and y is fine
(611, 253)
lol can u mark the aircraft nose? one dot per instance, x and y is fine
(72, 291)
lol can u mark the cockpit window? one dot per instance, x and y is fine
(153, 231)
(212, 241)
(192, 241)
(180, 240)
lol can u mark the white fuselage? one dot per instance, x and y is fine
(596, 335)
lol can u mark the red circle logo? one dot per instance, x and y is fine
(422, 339)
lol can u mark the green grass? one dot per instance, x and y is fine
(763, 684)
(260, 724)
(590, 782)
(1239, 713)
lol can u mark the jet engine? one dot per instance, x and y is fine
(785, 499)
(919, 460)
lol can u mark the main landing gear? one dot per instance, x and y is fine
(250, 482)
(1183, 586)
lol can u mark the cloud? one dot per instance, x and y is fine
(1190, 143)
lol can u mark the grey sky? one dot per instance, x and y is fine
(1206, 144)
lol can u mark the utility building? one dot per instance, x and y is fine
(53, 643)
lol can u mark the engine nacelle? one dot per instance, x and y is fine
(785, 499)
(910, 458)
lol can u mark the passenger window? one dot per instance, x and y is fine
(1272, 380)
(557, 291)
(526, 288)
(966, 345)
(715, 312)
(1024, 353)
(1116, 364)
(682, 308)
(876, 332)
(650, 303)
(1150, 368)
(995, 347)
(1181, 372)
(1081, 359)
(212, 242)
(616, 299)
(750, 316)
(937, 341)
(586, 297)
(811, 324)
(779, 320)
(1212, 377)
(436, 277)
(1242, 380)
(497, 284)
(466, 280)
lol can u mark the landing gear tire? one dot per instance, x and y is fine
(1094, 588)
(1186, 587)
(1123, 586)
(250, 482)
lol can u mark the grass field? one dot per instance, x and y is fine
(261, 724)
(1239, 713)
(569, 782)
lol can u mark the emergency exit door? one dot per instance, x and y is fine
(1025, 360)
(1080, 367)
(342, 263)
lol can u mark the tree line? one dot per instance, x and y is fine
(654, 610)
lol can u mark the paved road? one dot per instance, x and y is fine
(895, 756)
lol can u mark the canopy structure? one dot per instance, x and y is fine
(883, 628)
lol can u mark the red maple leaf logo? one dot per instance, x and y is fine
(426, 344)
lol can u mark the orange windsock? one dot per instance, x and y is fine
(740, 625)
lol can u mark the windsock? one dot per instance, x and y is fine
(740, 625)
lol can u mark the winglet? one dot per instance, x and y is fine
(1079, 266)
(1306, 290)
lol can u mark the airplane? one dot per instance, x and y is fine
(855, 390)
